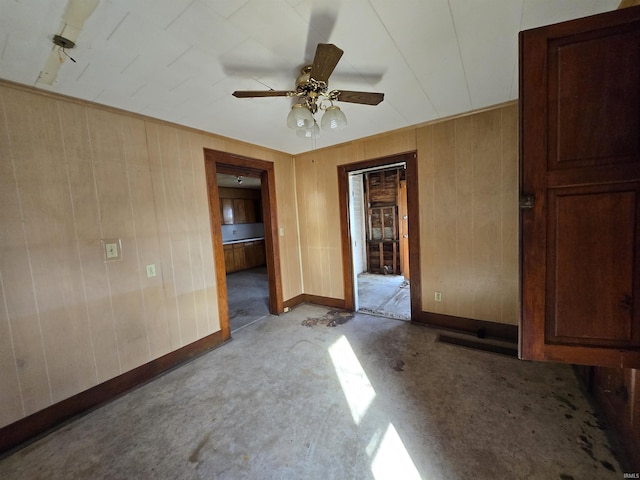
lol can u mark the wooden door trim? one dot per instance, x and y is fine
(222, 162)
(410, 159)
(404, 243)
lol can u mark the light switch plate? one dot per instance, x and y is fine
(111, 249)
(151, 270)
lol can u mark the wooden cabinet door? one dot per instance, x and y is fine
(239, 210)
(239, 257)
(229, 260)
(226, 204)
(250, 254)
(250, 210)
(580, 164)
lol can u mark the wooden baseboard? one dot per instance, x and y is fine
(479, 328)
(315, 299)
(292, 302)
(29, 428)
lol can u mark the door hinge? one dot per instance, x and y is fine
(527, 201)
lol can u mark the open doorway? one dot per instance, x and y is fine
(378, 222)
(376, 199)
(244, 248)
(244, 236)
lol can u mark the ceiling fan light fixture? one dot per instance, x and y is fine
(308, 132)
(300, 117)
(333, 119)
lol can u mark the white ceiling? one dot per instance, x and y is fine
(180, 60)
(231, 181)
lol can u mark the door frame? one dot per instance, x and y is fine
(411, 162)
(223, 162)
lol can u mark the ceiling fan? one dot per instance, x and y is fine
(312, 89)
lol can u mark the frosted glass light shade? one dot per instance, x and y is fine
(333, 119)
(308, 132)
(299, 117)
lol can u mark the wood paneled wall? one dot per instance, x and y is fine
(469, 215)
(72, 173)
(468, 189)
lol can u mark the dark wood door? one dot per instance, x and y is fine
(580, 162)
(381, 199)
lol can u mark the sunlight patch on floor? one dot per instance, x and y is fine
(354, 382)
(392, 459)
(389, 456)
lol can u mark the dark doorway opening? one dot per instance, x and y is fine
(260, 250)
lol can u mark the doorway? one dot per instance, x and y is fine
(379, 240)
(378, 198)
(255, 248)
(244, 248)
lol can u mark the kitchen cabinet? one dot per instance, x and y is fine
(226, 204)
(239, 210)
(244, 255)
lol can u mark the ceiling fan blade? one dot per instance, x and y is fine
(262, 93)
(366, 98)
(326, 59)
(321, 23)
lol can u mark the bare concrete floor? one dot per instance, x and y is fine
(385, 295)
(248, 296)
(370, 399)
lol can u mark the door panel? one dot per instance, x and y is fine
(580, 159)
(591, 253)
(593, 98)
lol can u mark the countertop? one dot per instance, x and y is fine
(243, 240)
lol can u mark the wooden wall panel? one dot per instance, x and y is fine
(318, 211)
(11, 239)
(27, 354)
(384, 145)
(468, 188)
(290, 260)
(74, 173)
(510, 216)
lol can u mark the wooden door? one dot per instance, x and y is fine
(580, 174)
(381, 198)
(382, 242)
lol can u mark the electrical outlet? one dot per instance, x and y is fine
(438, 297)
(151, 270)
